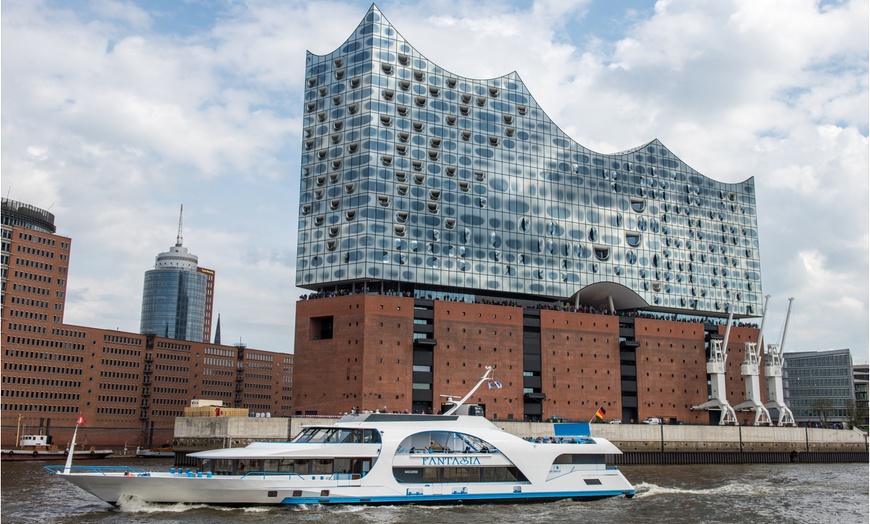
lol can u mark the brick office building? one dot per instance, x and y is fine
(128, 386)
(372, 351)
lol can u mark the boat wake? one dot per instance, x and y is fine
(735, 488)
(128, 504)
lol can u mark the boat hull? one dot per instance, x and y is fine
(16, 454)
(256, 490)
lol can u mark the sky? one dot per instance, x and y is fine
(115, 113)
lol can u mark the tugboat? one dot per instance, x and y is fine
(41, 447)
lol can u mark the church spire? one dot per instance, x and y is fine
(217, 331)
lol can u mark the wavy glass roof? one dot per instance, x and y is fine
(417, 179)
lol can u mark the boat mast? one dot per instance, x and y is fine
(72, 448)
(483, 379)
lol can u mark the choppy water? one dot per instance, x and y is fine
(786, 493)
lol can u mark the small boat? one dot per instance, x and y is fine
(165, 451)
(40, 447)
(378, 458)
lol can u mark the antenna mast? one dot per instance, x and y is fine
(178, 239)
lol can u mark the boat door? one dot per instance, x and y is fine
(358, 469)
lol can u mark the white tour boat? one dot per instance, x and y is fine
(378, 458)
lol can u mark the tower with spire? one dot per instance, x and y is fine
(178, 295)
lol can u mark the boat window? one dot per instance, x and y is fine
(321, 467)
(592, 482)
(445, 442)
(286, 465)
(353, 467)
(223, 467)
(337, 435)
(404, 474)
(579, 458)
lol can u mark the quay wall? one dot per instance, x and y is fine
(640, 443)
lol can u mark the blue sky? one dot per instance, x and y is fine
(114, 113)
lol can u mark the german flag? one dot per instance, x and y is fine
(600, 413)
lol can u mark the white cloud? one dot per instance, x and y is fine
(115, 113)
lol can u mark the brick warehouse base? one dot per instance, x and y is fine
(729, 457)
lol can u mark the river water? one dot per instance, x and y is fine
(757, 493)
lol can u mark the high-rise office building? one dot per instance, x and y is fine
(34, 264)
(178, 296)
(429, 189)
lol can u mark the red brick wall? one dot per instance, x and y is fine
(580, 365)
(671, 370)
(471, 337)
(367, 362)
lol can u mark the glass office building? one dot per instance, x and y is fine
(175, 296)
(816, 381)
(420, 181)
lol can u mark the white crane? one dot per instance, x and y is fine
(749, 369)
(716, 370)
(773, 374)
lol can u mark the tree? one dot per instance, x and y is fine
(857, 414)
(823, 407)
(852, 412)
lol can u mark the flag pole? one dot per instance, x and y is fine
(72, 448)
(596, 413)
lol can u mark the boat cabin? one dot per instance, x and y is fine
(35, 441)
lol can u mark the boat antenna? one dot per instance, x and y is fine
(486, 377)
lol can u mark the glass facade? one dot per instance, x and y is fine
(817, 380)
(416, 179)
(173, 304)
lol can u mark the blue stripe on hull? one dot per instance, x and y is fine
(459, 498)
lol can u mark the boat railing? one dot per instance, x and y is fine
(264, 474)
(104, 470)
(308, 476)
(427, 451)
(560, 440)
